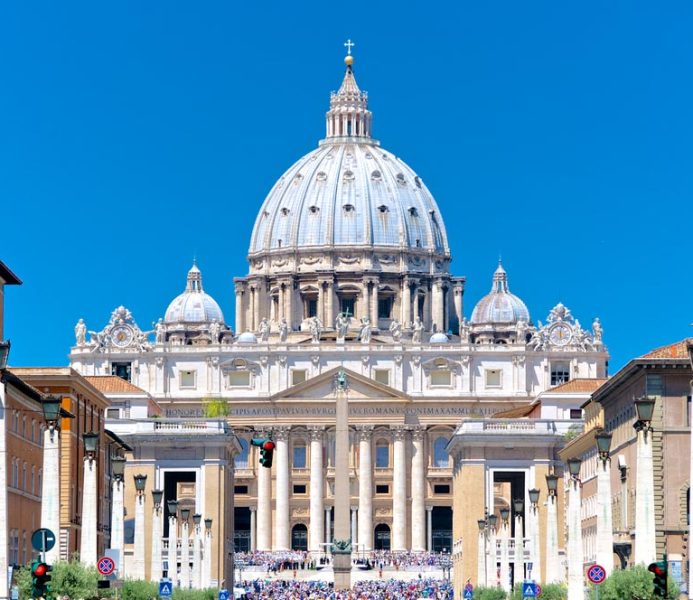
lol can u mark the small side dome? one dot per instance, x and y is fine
(439, 338)
(193, 305)
(499, 306)
(247, 337)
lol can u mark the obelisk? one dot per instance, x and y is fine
(341, 546)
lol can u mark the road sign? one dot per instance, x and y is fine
(596, 574)
(468, 592)
(165, 588)
(529, 589)
(538, 590)
(42, 540)
(105, 565)
(224, 594)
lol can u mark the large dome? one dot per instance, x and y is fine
(499, 306)
(349, 192)
(193, 305)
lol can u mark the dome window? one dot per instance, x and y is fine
(265, 213)
(417, 181)
(376, 176)
(321, 176)
(348, 208)
(383, 209)
(418, 243)
(369, 155)
(313, 210)
(413, 212)
(285, 211)
(348, 175)
(297, 178)
(400, 179)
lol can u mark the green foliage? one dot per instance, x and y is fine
(489, 593)
(550, 591)
(138, 590)
(215, 408)
(635, 583)
(71, 579)
(208, 594)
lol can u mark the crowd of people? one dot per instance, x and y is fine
(365, 590)
(386, 558)
(274, 562)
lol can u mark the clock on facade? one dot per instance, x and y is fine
(122, 335)
(560, 334)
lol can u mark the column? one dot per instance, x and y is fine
(330, 305)
(253, 528)
(87, 551)
(364, 305)
(458, 293)
(399, 492)
(289, 310)
(117, 525)
(429, 528)
(197, 551)
(282, 540)
(328, 526)
(536, 545)
(437, 306)
(575, 551)
(505, 557)
(138, 566)
(240, 316)
(173, 549)
(185, 554)
(264, 509)
(605, 532)
(317, 503)
(354, 530)
(492, 568)
(50, 492)
(553, 565)
(481, 559)
(645, 550)
(365, 533)
(519, 562)
(406, 303)
(374, 303)
(155, 571)
(418, 491)
(4, 529)
(321, 304)
(207, 559)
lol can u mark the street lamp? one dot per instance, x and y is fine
(645, 533)
(172, 508)
(603, 440)
(208, 525)
(4, 355)
(644, 406)
(91, 441)
(157, 495)
(197, 519)
(534, 497)
(519, 506)
(140, 483)
(184, 514)
(118, 467)
(504, 513)
(553, 566)
(552, 484)
(574, 465)
(51, 411)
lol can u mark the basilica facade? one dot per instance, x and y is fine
(349, 268)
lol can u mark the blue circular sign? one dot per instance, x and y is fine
(596, 574)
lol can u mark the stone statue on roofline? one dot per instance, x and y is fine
(264, 330)
(81, 333)
(315, 326)
(365, 332)
(283, 330)
(418, 327)
(396, 330)
(341, 325)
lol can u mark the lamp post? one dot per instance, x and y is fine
(138, 571)
(4, 356)
(645, 543)
(553, 565)
(197, 549)
(4, 529)
(207, 558)
(486, 549)
(605, 545)
(575, 552)
(50, 485)
(690, 504)
(535, 557)
(519, 557)
(118, 511)
(446, 564)
(185, 548)
(172, 572)
(505, 557)
(88, 546)
(155, 571)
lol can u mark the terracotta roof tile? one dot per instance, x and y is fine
(676, 350)
(515, 413)
(578, 385)
(111, 384)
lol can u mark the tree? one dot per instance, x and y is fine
(215, 408)
(489, 593)
(635, 583)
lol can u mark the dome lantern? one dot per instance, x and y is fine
(193, 305)
(499, 306)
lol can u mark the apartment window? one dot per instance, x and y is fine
(560, 372)
(239, 378)
(382, 455)
(299, 457)
(688, 411)
(576, 413)
(382, 376)
(385, 307)
(441, 378)
(113, 413)
(654, 385)
(241, 459)
(440, 488)
(122, 370)
(298, 376)
(382, 489)
(347, 305)
(311, 307)
(300, 488)
(440, 454)
(240, 489)
(493, 378)
(187, 379)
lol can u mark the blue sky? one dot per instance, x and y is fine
(137, 135)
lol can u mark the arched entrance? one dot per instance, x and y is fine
(441, 526)
(382, 537)
(299, 537)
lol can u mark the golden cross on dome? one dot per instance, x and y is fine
(349, 45)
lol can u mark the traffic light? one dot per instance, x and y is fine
(266, 450)
(40, 579)
(659, 569)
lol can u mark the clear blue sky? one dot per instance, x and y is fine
(135, 135)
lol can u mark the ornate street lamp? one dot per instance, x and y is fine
(482, 525)
(574, 465)
(644, 407)
(140, 483)
(172, 508)
(157, 495)
(492, 521)
(91, 442)
(118, 467)
(197, 519)
(208, 525)
(519, 506)
(552, 483)
(603, 440)
(51, 411)
(504, 513)
(184, 514)
(4, 354)
(534, 497)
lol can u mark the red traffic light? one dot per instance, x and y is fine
(656, 569)
(268, 445)
(40, 569)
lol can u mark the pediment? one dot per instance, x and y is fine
(323, 387)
